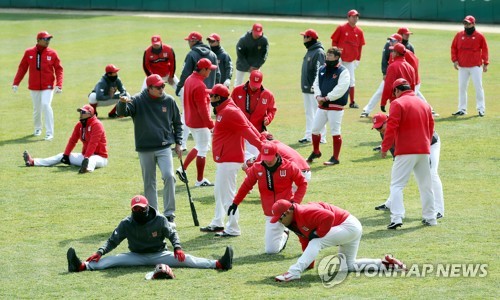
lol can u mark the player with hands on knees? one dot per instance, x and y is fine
(145, 230)
(90, 131)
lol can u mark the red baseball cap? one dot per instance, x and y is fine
(404, 30)
(268, 151)
(214, 37)
(86, 108)
(111, 69)
(205, 63)
(156, 40)
(154, 80)
(353, 12)
(400, 48)
(194, 36)
(219, 89)
(378, 120)
(396, 37)
(279, 208)
(398, 82)
(257, 29)
(43, 35)
(139, 200)
(311, 33)
(255, 79)
(470, 20)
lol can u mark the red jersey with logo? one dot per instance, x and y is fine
(162, 63)
(257, 105)
(44, 68)
(399, 68)
(290, 154)
(469, 50)
(197, 103)
(351, 40)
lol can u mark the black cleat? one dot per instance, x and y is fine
(211, 228)
(459, 113)
(382, 207)
(394, 225)
(439, 216)
(332, 161)
(313, 156)
(354, 105)
(74, 262)
(226, 261)
(304, 141)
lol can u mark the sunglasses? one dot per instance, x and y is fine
(139, 209)
(46, 39)
(283, 215)
(159, 87)
(84, 112)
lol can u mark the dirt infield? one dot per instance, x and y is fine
(448, 26)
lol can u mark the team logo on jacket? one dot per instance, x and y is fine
(49, 57)
(165, 54)
(259, 174)
(219, 118)
(334, 76)
(305, 228)
(154, 234)
(264, 101)
(239, 96)
(282, 173)
(31, 56)
(151, 56)
(164, 109)
(89, 129)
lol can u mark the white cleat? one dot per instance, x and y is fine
(286, 277)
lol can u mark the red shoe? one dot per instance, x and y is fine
(392, 263)
(28, 160)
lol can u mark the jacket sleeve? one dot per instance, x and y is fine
(264, 54)
(392, 126)
(73, 139)
(387, 92)
(22, 69)
(200, 97)
(386, 55)
(95, 138)
(300, 182)
(454, 48)
(316, 89)
(58, 68)
(177, 123)
(341, 88)
(248, 131)
(126, 109)
(172, 235)
(228, 66)
(336, 36)
(241, 52)
(145, 64)
(187, 69)
(120, 86)
(271, 108)
(361, 39)
(247, 185)
(484, 51)
(173, 64)
(322, 221)
(102, 90)
(114, 240)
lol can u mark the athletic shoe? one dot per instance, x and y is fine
(286, 277)
(226, 261)
(313, 156)
(49, 137)
(304, 141)
(392, 263)
(429, 222)
(459, 113)
(363, 115)
(323, 141)
(287, 232)
(378, 148)
(211, 228)
(481, 113)
(382, 207)
(224, 234)
(394, 225)
(203, 182)
(181, 175)
(38, 132)
(439, 216)
(435, 114)
(332, 161)
(112, 115)
(354, 105)
(28, 160)
(74, 262)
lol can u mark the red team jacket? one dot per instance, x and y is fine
(282, 179)
(350, 39)
(315, 216)
(162, 64)
(410, 126)
(41, 78)
(412, 59)
(469, 50)
(93, 139)
(399, 68)
(231, 127)
(262, 105)
(197, 103)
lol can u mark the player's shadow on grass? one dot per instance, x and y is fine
(22, 140)
(382, 220)
(263, 258)
(456, 118)
(96, 239)
(304, 282)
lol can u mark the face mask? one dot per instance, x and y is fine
(112, 78)
(84, 122)
(332, 63)
(215, 48)
(140, 217)
(156, 51)
(470, 30)
(309, 43)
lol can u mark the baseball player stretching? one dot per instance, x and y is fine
(108, 90)
(351, 40)
(321, 225)
(159, 59)
(409, 128)
(231, 127)
(275, 177)
(331, 88)
(198, 119)
(145, 230)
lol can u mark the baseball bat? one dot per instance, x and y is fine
(191, 203)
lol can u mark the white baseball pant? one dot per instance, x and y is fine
(93, 100)
(42, 101)
(374, 99)
(333, 117)
(307, 175)
(250, 151)
(351, 67)
(224, 192)
(310, 108)
(347, 236)
(275, 236)
(239, 77)
(75, 159)
(476, 73)
(202, 138)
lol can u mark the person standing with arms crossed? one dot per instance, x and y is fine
(157, 125)
(251, 50)
(231, 127)
(469, 54)
(44, 69)
(314, 58)
(350, 39)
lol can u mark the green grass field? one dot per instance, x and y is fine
(47, 210)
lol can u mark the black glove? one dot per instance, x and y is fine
(313, 235)
(382, 108)
(85, 164)
(65, 159)
(178, 91)
(232, 208)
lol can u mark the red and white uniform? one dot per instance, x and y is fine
(351, 40)
(231, 127)
(333, 226)
(471, 53)
(258, 106)
(399, 68)
(93, 138)
(45, 69)
(162, 64)
(273, 186)
(409, 128)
